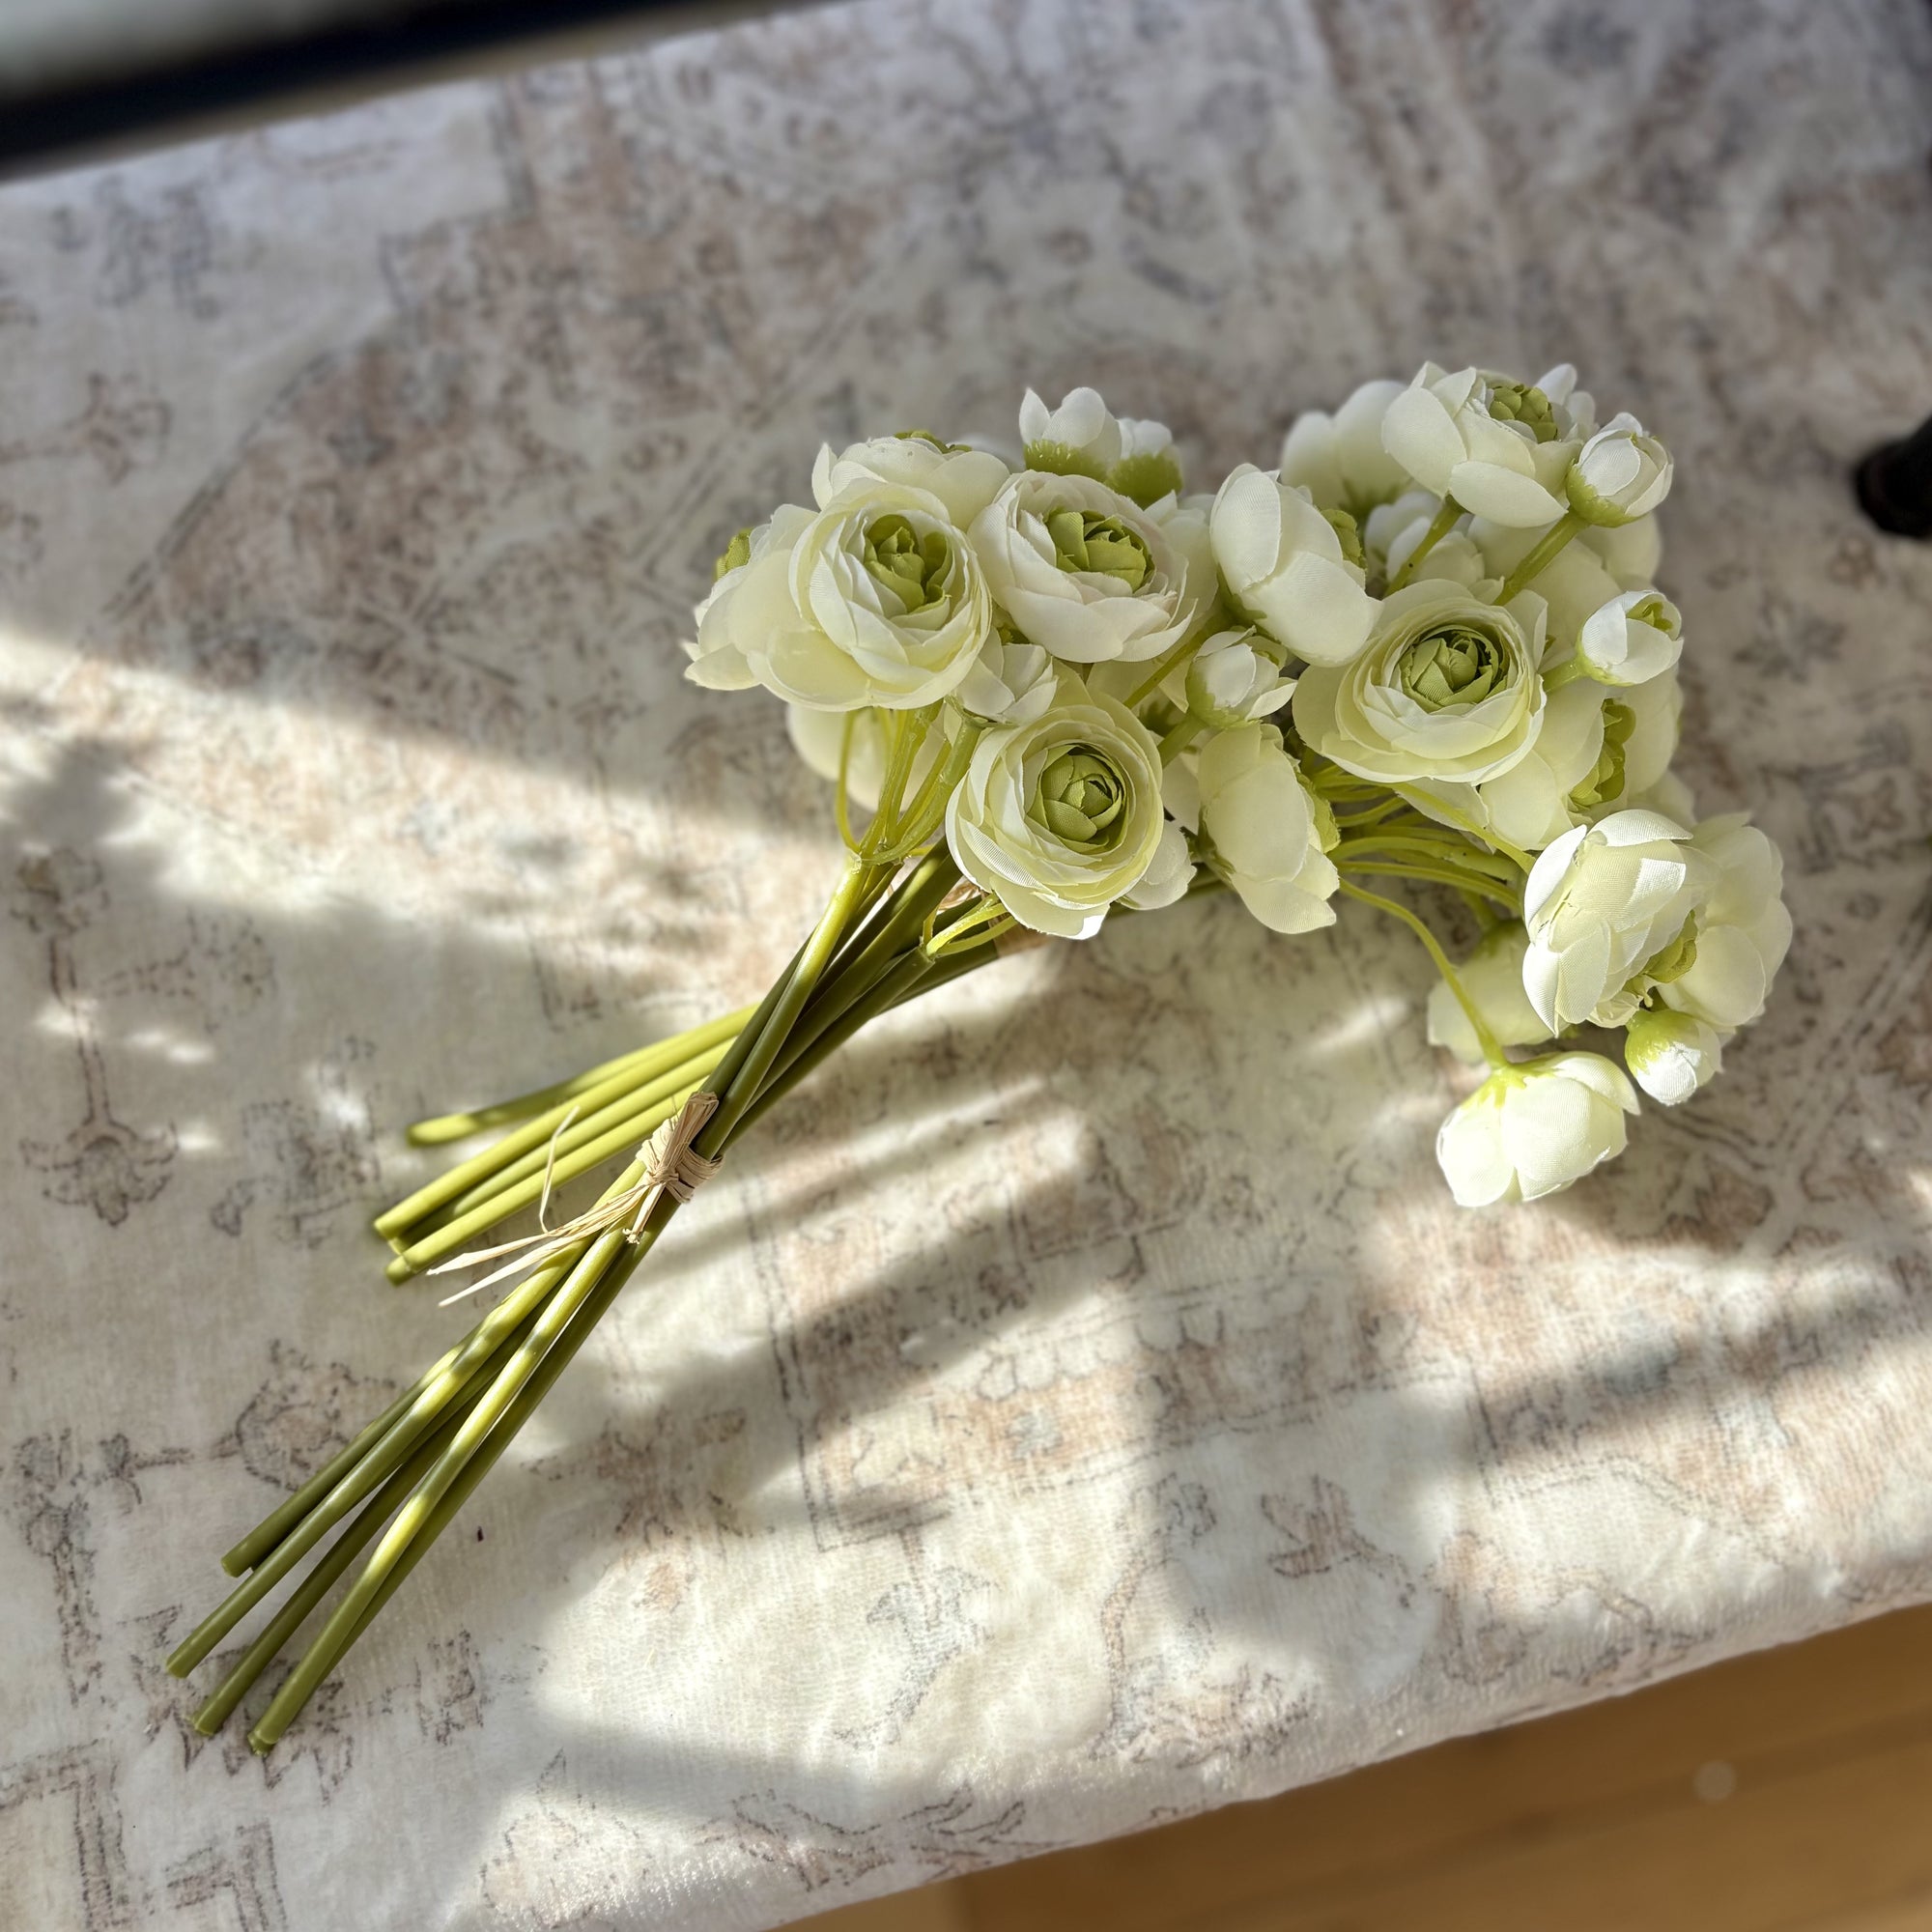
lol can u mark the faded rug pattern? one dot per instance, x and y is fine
(1085, 1404)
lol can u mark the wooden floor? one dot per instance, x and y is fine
(1788, 1790)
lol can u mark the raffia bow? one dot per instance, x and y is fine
(668, 1164)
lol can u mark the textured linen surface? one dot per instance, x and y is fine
(1085, 1406)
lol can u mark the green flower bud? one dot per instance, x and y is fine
(1455, 664)
(736, 553)
(912, 567)
(1080, 799)
(926, 436)
(1084, 540)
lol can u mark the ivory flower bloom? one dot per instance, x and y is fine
(1147, 469)
(876, 599)
(963, 478)
(1285, 566)
(1082, 571)
(1602, 903)
(1632, 638)
(1229, 681)
(1340, 460)
(1743, 929)
(1493, 977)
(1061, 816)
(1619, 475)
(1671, 1055)
(1534, 1129)
(1447, 689)
(1500, 448)
(1264, 832)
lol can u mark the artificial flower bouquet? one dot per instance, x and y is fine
(1423, 656)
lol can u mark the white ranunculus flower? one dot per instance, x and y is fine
(1533, 1128)
(1011, 684)
(1082, 571)
(1167, 877)
(1285, 566)
(819, 736)
(1081, 437)
(1601, 903)
(963, 478)
(876, 599)
(1500, 448)
(1232, 681)
(1742, 929)
(1635, 637)
(1671, 1055)
(1493, 977)
(1619, 474)
(1061, 816)
(1447, 689)
(1340, 460)
(1265, 831)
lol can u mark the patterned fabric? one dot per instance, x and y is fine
(1086, 1406)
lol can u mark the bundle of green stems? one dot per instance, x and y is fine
(900, 923)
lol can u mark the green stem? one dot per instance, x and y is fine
(320, 1658)
(1484, 1038)
(1438, 875)
(1544, 549)
(1179, 739)
(1441, 524)
(653, 1061)
(1162, 666)
(292, 1615)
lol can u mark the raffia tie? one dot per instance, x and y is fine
(670, 1165)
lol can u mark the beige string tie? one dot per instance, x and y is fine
(670, 1164)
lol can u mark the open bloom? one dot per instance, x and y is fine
(1264, 832)
(1340, 460)
(1447, 689)
(1286, 566)
(1619, 474)
(1603, 903)
(1534, 1129)
(1493, 977)
(1083, 571)
(1671, 1055)
(1502, 448)
(1744, 929)
(963, 478)
(1062, 815)
(876, 599)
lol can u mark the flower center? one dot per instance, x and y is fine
(1457, 664)
(1607, 776)
(1081, 799)
(913, 568)
(1085, 541)
(1526, 404)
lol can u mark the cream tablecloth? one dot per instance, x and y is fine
(1086, 1406)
